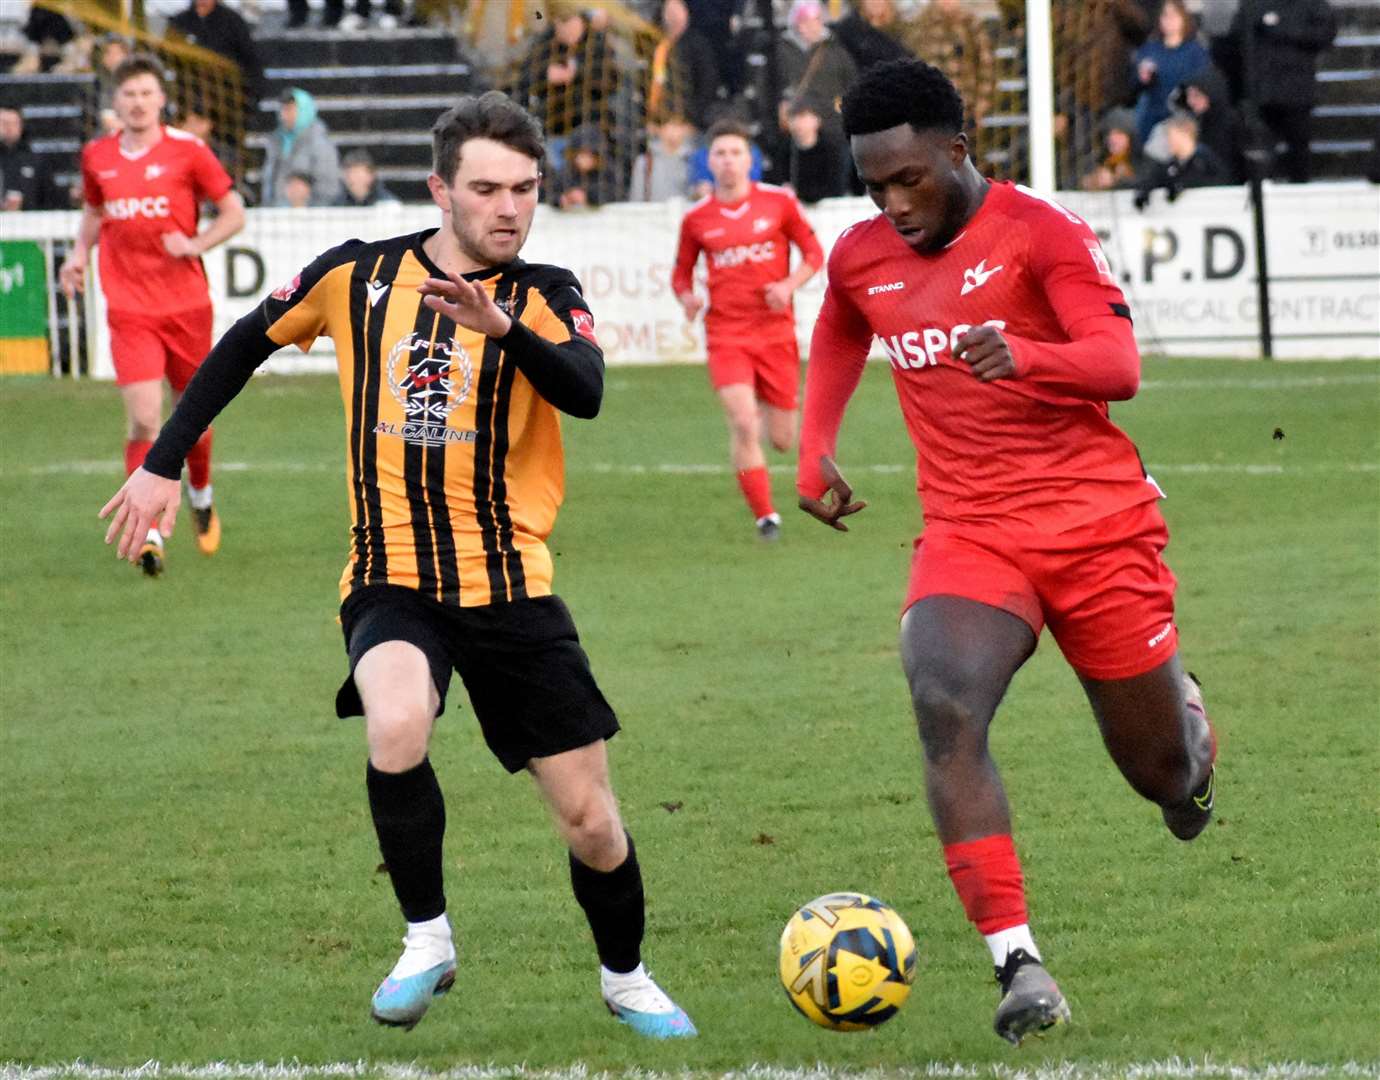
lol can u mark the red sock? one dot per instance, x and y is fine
(987, 877)
(756, 485)
(135, 452)
(199, 461)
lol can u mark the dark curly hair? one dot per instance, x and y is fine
(902, 92)
(493, 115)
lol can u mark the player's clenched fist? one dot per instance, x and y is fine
(987, 353)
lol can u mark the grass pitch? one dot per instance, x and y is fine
(187, 871)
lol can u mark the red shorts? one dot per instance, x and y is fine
(1103, 587)
(771, 366)
(156, 346)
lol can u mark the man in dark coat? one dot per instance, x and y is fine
(26, 181)
(1287, 36)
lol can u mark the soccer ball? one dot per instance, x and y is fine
(847, 961)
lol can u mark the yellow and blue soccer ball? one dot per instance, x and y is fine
(847, 961)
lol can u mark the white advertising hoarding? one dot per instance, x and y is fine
(1188, 269)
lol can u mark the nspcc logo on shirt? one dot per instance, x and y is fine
(150, 206)
(430, 380)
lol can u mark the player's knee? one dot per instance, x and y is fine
(397, 736)
(594, 832)
(949, 726)
(143, 429)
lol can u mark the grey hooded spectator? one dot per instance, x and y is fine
(300, 144)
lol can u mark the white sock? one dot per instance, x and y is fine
(1005, 942)
(617, 980)
(426, 945)
(154, 537)
(200, 498)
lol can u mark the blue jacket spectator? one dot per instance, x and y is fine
(1163, 63)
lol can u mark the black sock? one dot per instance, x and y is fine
(614, 906)
(410, 819)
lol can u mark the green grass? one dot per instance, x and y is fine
(188, 874)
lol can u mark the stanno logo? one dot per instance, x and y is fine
(107, 174)
(376, 289)
(977, 277)
(1158, 638)
(891, 286)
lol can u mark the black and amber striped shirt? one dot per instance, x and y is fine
(453, 441)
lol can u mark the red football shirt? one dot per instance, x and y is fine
(747, 245)
(1037, 451)
(142, 196)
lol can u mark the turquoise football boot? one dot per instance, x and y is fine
(638, 1002)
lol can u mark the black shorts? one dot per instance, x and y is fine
(528, 679)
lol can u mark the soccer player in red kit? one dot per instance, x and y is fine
(746, 230)
(1006, 336)
(143, 189)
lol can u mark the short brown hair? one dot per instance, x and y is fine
(140, 64)
(493, 115)
(729, 125)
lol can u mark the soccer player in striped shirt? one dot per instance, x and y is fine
(1006, 336)
(455, 357)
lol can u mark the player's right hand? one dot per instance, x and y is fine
(691, 304)
(837, 501)
(143, 499)
(72, 276)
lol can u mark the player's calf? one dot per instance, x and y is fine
(1188, 817)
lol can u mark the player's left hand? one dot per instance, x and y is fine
(180, 246)
(984, 350)
(143, 499)
(465, 303)
(778, 295)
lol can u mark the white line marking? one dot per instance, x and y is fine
(1170, 1069)
(1266, 382)
(114, 468)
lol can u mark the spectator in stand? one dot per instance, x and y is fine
(870, 33)
(48, 34)
(1120, 158)
(567, 75)
(26, 181)
(955, 41)
(1190, 164)
(585, 176)
(810, 61)
(300, 144)
(662, 171)
(819, 162)
(1288, 35)
(111, 51)
(1220, 127)
(361, 183)
(685, 73)
(211, 25)
(334, 15)
(1172, 55)
(297, 190)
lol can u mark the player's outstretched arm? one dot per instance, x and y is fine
(837, 500)
(143, 499)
